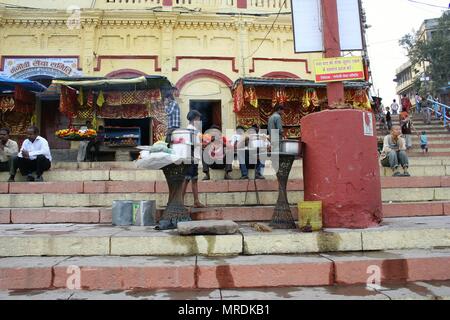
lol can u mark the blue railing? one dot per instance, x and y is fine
(442, 113)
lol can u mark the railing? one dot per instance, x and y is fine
(440, 113)
(269, 4)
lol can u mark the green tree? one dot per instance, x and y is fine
(432, 54)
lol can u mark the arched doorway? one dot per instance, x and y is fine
(208, 92)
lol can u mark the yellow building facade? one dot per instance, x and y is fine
(201, 46)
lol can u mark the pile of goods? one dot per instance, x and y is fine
(156, 156)
(129, 142)
(72, 134)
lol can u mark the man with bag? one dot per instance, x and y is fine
(394, 154)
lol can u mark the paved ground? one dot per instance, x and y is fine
(430, 290)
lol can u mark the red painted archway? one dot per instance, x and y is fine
(125, 73)
(203, 73)
(281, 75)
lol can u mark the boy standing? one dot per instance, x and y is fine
(424, 142)
(192, 175)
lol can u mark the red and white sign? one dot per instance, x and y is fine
(28, 67)
(338, 69)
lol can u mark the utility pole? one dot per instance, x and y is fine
(335, 90)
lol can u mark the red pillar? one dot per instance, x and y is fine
(242, 4)
(340, 158)
(335, 90)
(167, 3)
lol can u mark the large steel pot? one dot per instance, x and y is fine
(290, 146)
(182, 136)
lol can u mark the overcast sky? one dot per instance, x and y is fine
(390, 20)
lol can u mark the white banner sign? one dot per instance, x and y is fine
(349, 25)
(25, 68)
(307, 22)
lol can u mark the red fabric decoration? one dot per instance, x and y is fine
(136, 111)
(68, 102)
(279, 96)
(238, 97)
(90, 99)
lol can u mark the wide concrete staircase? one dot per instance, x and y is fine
(48, 228)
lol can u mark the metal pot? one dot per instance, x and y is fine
(290, 146)
(183, 136)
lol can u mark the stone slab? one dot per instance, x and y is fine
(54, 240)
(47, 187)
(209, 227)
(55, 215)
(394, 265)
(294, 241)
(5, 216)
(123, 273)
(27, 272)
(263, 271)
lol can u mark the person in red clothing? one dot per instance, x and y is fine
(406, 104)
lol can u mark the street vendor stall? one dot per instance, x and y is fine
(130, 109)
(254, 99)
(17, 105)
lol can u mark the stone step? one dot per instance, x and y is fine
(432, 136)
(230, 198)
(74, 187)
(269, 271)
(90, 215)
(418, 290)
(422, 169)
(99, 240)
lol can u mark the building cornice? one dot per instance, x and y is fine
(143, 19)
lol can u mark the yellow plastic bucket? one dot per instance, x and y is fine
(310, 215)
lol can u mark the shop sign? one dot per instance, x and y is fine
(25, 68)
(338, 69)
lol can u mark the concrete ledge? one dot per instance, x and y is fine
(146, 241)
(408, 233)
(69, 239)
(293, 241)
(54, 240)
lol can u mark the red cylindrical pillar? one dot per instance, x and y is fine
(340, 167)
(335, 90)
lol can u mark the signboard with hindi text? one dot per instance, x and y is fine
(29, 67)
(338, 69)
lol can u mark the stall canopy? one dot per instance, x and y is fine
(107, 84)
(9, 85)
(294, 83)
(119, 98)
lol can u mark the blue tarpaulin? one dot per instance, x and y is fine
(8, 84)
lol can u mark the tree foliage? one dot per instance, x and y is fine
(433, 54)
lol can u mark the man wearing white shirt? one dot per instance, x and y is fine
(34, 155)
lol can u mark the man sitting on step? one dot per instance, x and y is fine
(394, 152)
(34, 156)
(8, 151)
